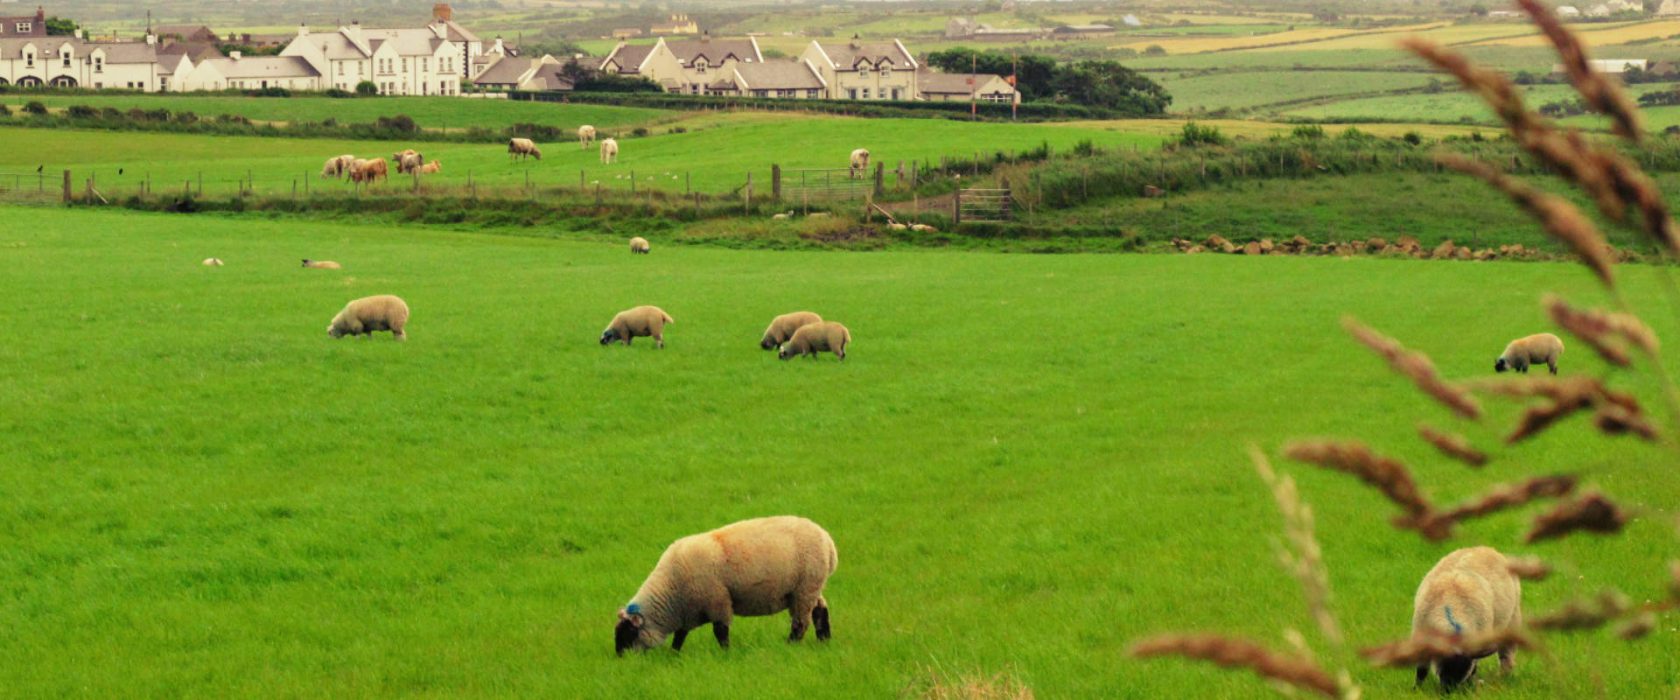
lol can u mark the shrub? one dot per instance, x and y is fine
(1084, 147)
(536, 132)
(401, 122)
(367, 88)
(5, 111)
(186, 118)
(1310, 132)
(111, 114)
(34, 107)
(1154, 50)
(639, 131)
(337, 93)
(1412, 137)
(1194, 134)
(77, 112)
(679, 129)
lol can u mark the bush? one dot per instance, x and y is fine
(367, 88)
(75, 111)
(401, 122)
(1154, 50)
(639, 131)
(5, 111)
(337, 93)
(269, 92)
(1084, 147)
(186, 118)
(35, 107)
(1194, 134)
(1414, 138)
(1311, 132)
(535, 132)
(110, 114)
(679, 129)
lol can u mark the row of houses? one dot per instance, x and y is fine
(438, 58)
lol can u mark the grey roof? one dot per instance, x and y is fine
(264, 67)
(846, 56)
(778, 75)
(630, 56)
(952, 83)
(715, 51)
(1085, 28)
(407, 42)
(334, 45)
(170, 61)
(507, 71)
(460, 33)
(126, 52)
(48, 46)
(547, 78)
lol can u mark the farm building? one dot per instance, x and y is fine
(1668, 8)
(1612, 66)
(969, 28)
(197, 34)
(963, 87)
(24, 25)
(1563, 11)
(865, 70)
(239, 72)
(678, 25)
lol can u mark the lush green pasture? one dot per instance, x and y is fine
(428, 112)
(1447, 106)
(716, 154)
(1233, 90)
(1028, 462)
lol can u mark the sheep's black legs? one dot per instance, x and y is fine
(798, 631)
(721, 630)
(1552, 366)
(677, 641)
(819, 617)
(1507, 659)
(1422, 675)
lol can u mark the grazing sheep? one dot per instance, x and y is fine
(860, 161)
(751, 568)
(321, 264)
(586, 136)
(431, 168)
(782, 328)
(639, 245)
(408, 161)
(369, 170)
(634, 323)
(779, 216)
(212, 262)
(1470, 592)
(369, 314)
(1535, 349)
(523, 148)
(815, 338)
(337, 166)
(609, 150)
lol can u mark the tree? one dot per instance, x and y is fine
(1111, 85)
(1479, 10)
(367, 88)
(57, 26)
(1033, 72)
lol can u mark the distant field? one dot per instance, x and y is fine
(1244, 90)
(1449, 106)
(1605, 35)
(429, 112)
(1299, 38)
(716, 154)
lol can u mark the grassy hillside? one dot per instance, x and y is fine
(429, 112)
(1028, 462)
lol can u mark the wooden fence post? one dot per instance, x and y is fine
(748, 191)
(68, 195)
(776, 182)
(956, 208)
(880, 177)
(632, 182)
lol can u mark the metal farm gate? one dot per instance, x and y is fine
(826, 185)
(982, 205)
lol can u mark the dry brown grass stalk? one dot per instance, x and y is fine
(1617, 412)
(1637, 627)
(1301, 556)
(1423, 649)
(1609, 334)
(1556, 215)
(1529, 568)
(1502, 497)
(1230, 652)
(1674, 581)
(1452, 445)
(1418, 367)
(1615, 420)
(1591, 512)
(1602, 94)
(1581, 614)
(1386, 474)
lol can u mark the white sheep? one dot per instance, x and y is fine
(523, 148)
(321, 264)
(586, 136)
(1469, 593)
(642, 321)
(370, 314)
(609, 150)
(751, 568)
(1540, 348)
(639, 245)
(212, 262)
(819, 337)
(337, 166)
(783, 327)
(860, 161)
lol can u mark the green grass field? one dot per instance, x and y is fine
(1448, 106)
(716, 153)
(1233, 90)
(1028, 462)
(428, 112)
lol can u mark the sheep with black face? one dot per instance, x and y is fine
(1469, 593)
(642, 321)
(1537, 349)
(826, 336)
(784, 326)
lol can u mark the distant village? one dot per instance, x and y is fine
(442, 57)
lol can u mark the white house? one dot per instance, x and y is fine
(965, 87)
(72, 61)
(238, 72)
(865, 70)
(687, 66)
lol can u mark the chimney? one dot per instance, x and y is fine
(78, 33)
(236, 55)
(499, 48)
(443, 13)
(151, 39)
(303, 29)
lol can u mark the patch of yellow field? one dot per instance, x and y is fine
(1259, 18)
(1298, 38)
(1604, 35)
(1443, 34)
(1243, 128)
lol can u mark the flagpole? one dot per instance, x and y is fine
(973, 100)
(1014, 79)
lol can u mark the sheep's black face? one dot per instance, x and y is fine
(626, 634)
(1455, 671)
(1500, 365)
(608, 336)
(768, 343)
(783, 354)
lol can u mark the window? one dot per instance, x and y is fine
(29, 60)
(851, 93)
(341, 69)
(405, 65)
(866, 93)
(66, 59)
(25, 27)
(700, 66)
(811, 94)
(98, 64)
(423, 63)
(896, 95)
(886, 71)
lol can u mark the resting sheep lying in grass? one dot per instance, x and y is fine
(431, 168)
(639, 245)
(751, 568)
(825, 336)
(642, 321)
(783, 327)
(321, 264)
(369, 314)
(1470, 592)
(1538, 349)
(212, 262)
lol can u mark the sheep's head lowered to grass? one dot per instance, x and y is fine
(631, 633)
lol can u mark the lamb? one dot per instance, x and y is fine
(1535, 349)
(1469, 593)
(815, 338)
(212, 262)
(638, 322)
(523, 148)
(431, 168)
(337, 166)
(369, 314)
(782, 328)
(751, 568)
(586, 136)
(321, 264)
(609, 150)
(408, 160)
(860, 161)
(639, 245)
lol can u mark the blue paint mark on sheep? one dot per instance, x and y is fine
(636, 609)
(1457, 628)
